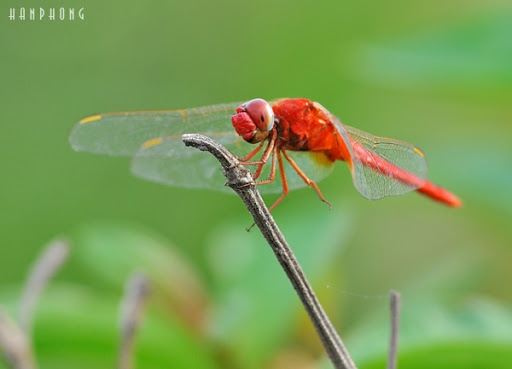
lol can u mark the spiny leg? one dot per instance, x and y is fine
(272, 169)
(264, 158)
(305, 178)
(283, 179)
(252, 153)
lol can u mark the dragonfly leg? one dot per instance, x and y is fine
(305, 178)
(272, 169)
(252, 153)
(283, 179)
(277, 153)
(272, 172)
(264, 158)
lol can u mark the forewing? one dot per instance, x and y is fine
(167, 160)
(123, 133)
(377, 182)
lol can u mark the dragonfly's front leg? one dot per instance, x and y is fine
(276, 154)
(252, 153)
(272, 169)
(264, 158)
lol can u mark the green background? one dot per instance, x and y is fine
(437, 74)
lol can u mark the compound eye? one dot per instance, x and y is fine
(261, 114)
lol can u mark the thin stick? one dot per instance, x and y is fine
(15, 340)
(394, 303)
(52, 257)
(240, 180)
(15, 345)
(132, 309)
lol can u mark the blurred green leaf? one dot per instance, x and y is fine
(113, 251)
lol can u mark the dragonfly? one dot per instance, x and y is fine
(297, 137)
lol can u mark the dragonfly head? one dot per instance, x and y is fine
(253, 120)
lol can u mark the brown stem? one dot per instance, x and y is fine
(14, 344)
(394, 303)
(45, 267)
(16, 340)
(132, 308)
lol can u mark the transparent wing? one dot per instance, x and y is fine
(168, 161)
(383, 166)
(157, 161)
(123, 133)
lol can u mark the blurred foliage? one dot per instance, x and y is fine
(436, 74)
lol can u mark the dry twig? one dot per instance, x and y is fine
(15, 340)
(48, 263)
(15, 344)
(240, 179)
(394, 303)
(132, 308)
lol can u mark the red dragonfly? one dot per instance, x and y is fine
(306, 134)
